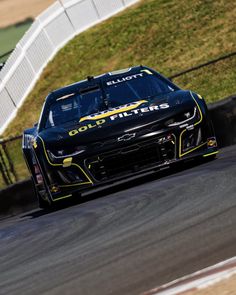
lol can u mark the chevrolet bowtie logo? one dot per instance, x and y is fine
(126, 137)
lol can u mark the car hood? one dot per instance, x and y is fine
(118, 121)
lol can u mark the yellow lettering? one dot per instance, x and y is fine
(83, 128)
(100, 122)
(86, 127)
(90, 126)
(73, 132)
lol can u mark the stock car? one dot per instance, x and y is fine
(113, 126)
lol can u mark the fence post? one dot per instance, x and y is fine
(5, 175)
(11, 166)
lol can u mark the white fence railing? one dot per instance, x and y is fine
(50, 31)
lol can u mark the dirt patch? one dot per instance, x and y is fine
(14, 11)
(225, 287)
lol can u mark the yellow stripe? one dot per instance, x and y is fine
(56, 165)
(199, 96)
(200, 120)
(197, 147)
(214, 153)
(147, 71)
(114, 112)
(65, 197)
(75, 184)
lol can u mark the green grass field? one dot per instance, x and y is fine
(167, 35)
(11, 35)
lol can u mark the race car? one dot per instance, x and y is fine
(113, 126)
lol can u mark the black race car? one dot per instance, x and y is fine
(111, 127)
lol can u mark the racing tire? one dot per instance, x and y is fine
(42, 203)
(209, 158)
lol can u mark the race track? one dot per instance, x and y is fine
(127, 239)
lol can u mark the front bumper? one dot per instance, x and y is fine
(151, 151)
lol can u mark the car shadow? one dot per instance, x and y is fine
(117, 187)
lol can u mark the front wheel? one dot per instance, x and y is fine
(42, 197)
(43, 204)
(209, 158)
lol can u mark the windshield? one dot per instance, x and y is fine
(117, 91)
(72, 107)
(135, 87)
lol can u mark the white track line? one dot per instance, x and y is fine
(198, 280)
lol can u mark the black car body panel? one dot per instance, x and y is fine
(111, 139)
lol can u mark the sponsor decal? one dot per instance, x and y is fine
(126, 137)
(87, 127)
(139, 111)
(124, 79)
(117, 114)
(211, 142)
(109, 112)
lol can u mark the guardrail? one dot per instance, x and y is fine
(49, 32)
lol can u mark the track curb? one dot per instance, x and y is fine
(198, 280)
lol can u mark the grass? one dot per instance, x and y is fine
(9, 36)
(215, 81)
(16, 156)
(167, 35)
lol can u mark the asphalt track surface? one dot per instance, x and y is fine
(126, 239)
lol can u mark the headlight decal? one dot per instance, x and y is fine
(89, 180)
(186, 114)
(181, 154)
(62, 154)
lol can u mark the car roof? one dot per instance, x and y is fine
(89, 82)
